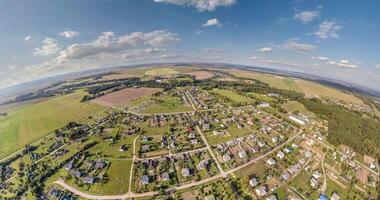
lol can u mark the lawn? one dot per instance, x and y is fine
(233, 96)
(167, 105)
(33, 122)
(233, 131)
(160, 71)
(260, 97)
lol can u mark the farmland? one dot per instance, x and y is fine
(32, 122)
(124, 96)
(233, 96)
(200, 75)
(160, 71)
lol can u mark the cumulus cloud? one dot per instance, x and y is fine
(265, 49)
(200, 5)
(49, 47)
(328, 29)
(69, 34)
(377, 66)
(27, 38)
(300, 47)
(109, 42)
(306, 16)
(343, 63)
(213, 22)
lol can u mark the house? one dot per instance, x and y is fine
(144, 180)
(271, 197)
(253, 182)
(335, 196)
(88, 180)
(185, 172)
(275, 139)
(100, 164)
(165, 176)
(288, 150)
(194, 141)
(206, 127)
(261, 191)
(242, 154)
(202, 164)
(271, 161)
(280, 155)
(314, 183)
(297, 119)
(226, 157)
(210, 197)
(285, 176)
(68, 166)
(145, 148)
(261, 144)
(317, 174)
(76, 173)
(123, 148)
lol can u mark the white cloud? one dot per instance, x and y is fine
(11, 67)
(49, 46)
(343, 63)
(214, 50)
(321, 58)
(198, 32)
(265, 49)
(253, 58)
(328, 29)
(27, 38)
(306, 16)
(200, 5)
(300, 47)
(213, 22)
(377, 66)
(69, 34)
(109, 43)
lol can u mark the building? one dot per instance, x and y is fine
(271, 197)
(253, 182)
(185, 172)
(280, 155)
(263, 105)
(271, 161)
(314, 183)
(88, 180)
(226, 157)
(261, 191)
(145, 180)
(285, 176)
(334, 196)
(165, 176)
(242, 154)
(297, 119)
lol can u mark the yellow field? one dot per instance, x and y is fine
(160, 71)
(311, 89)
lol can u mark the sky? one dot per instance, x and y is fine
(337, 39)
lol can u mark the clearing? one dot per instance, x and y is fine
(200, 75)
(124, 96)
(30, 123)
(233, 96)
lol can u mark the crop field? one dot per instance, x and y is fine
(312, 89)
(167, 105)
(30, 123)
(124, 96)
(160, 71)
(233, 96)
(200, 75)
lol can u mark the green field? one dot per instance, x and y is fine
(30, 123)
(293, 106)
(167, 105)
(234, 132)
(233, 96)
(160, 71)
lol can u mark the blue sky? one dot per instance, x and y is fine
(337, 39)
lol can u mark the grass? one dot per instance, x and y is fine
(234, 132)
(279, 82)
(314, 89)
(126, 73)
(160, 71)
(118, 179)
(260, 97)
(33, 122)
(167, 105)
(233, 96)
(292, 106)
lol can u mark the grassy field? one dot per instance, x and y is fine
(118, 179)
(285, 83)
(30, 123)
(233, 96)
(260, 97)
(311, 89)
(292, 106)
(233, 131)
(160, 71)
(167, 105)
(126, 73)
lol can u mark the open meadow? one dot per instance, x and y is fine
(30, 123)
